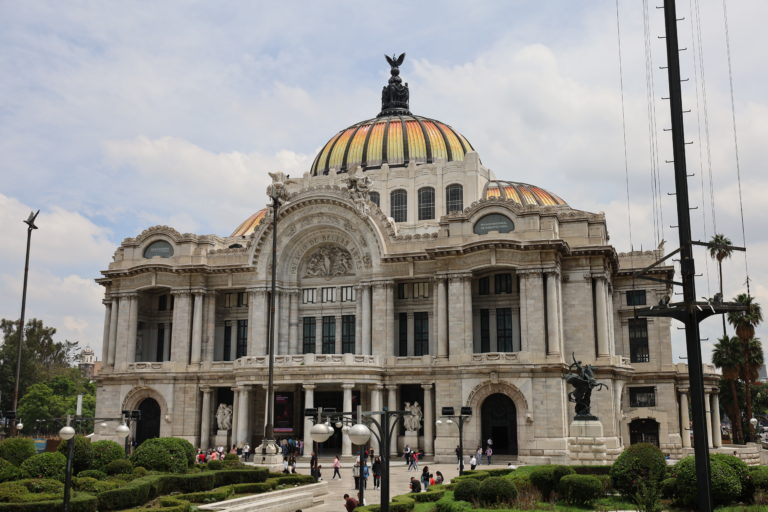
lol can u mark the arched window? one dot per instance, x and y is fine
(374, 197)
(159, 248)
(454, 198)
(426, 203)
(398, 202)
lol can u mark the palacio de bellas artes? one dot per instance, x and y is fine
(406, 274)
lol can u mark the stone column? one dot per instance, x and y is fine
(309, 403)
(197, 326)
(358, 320)
(105, 339)
(243, 416)
(717, 435)
(293, 328)
(346, 443)
(366, 324)
(280, 346)
(113, 330)
(392, 405)
(685, 431)
(390, 319)
(442, 318)
(181, 323)
(123, 344)
(456, 316)
(337, 341)
(523, 285)
(210, 326)
(468, 318)
(709, 419)
(205, 418)
(376, 406)
(429, 420)
(235, 414)
(553, 327)
(257, 323)
(133, 325)
(602, 318)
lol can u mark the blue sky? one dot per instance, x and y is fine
(116, 116)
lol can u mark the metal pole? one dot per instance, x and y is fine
(68, 473)
(269, 429)
(687, 267)
(384, 430)
(461, 445)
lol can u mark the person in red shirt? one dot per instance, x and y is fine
(350, 503)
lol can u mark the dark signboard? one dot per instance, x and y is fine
(284, 412)
(494, 222)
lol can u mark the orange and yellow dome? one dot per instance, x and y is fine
(521, 193)
(395, 140)
(250, 224)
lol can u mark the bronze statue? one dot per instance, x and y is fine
(582, 378)
(394, 95)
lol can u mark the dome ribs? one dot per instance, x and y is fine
(445, 139)
(364, 156)
(346, 149)
(406, 152)
(384, 143)
(427, 142)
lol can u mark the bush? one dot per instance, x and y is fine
(119, 467)
(43, 485)
(215, 465)
(592, 470)
(726, 487)
(429, 496)
(642, 461)
(759, 476)
(17, 449)
(231, 456)
(9, 472)
(742, 472)
(89, 484)
(162, 454)
(82, 457)
(79, 502)
(467, 490)
(669, 488)
(92, 473)
(140, 471)
(496, 490)
(546, 478)
(579, 490)
(104, 452)
(45, 465)
(183, 445)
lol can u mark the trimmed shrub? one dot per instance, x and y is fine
(134, 494)
(92, 473)
(209, 496)
(185, 483)
(579, 490)
(184, 445)
(43, 485)
(215, 465)
(119, 467)
(231, 456)
(240, 476)
(429, 496)
(162, 454)
(140, 471)
(592, 470)
(449, 505)
(82, 456)
(726, 487)
(742, 472)
(89, 484)
(79, 502)
(642, 461)
(669, 488)
(45, 465)
(497, 490)
(759, 476)
(104, 452)
(9, 472)
(498, 472)
(546, 478)
(17, 449)
(467, 490)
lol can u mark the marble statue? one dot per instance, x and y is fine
(224, 416)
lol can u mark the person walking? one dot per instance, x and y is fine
(425, 478)
(488, 453)
(350, 503)
(473, 462)
(479, 454)
(376, 472)
(336, 468)
(356, 474)
(364, 472)
(415, 459)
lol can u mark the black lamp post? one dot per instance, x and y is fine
(459, 419)
(30, 222)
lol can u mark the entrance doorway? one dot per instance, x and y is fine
(644, 431)
(499, 422)
(148, 426)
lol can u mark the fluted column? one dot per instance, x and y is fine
(235, 413)
(133, 324)
(685, 420)
(392, 404)
(243, 416)
(122, 342)
(366, 327)
(468, 318)
(602, 318)
(309, 403)
(181, 324)
(456, 316)
(197, 326)
(280, 348)
(210, 326)
(553, 327)
(105, 336)
(429, 421)
(358, 320)
(390, 319)
(257, 323)
(114, 311)
(376, 406)
(441, 318)
(205, 418)
(293, 328)
(717, 435)
(337, 342)
(346, 443)
(709, 419)
(523, 292)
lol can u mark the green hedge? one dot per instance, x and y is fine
(162, 454)
(497, 490)
(8, 471)
(429, 496)
(104, 452)
(45, 465)
(579, 490)
(726, 487)
(467, 490)
(592, 470)
(545, 478)
(79, 502)
(93, 473)
(17, 449)
(119, 467)
(642, 461)
(82, 455)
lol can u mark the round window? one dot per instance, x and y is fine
(160, 248)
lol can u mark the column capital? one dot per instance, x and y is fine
(309, 387)
(459, 276)
(107, 301)
(377, 387)
(199, 291)
(125, 295)
(383, 283)
(426, 387)
(179, 293)
(211, 293)
(347, 385)
(206, 389)
(391, 387)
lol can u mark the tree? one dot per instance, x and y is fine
(720, 249)
(727, 356)
(745, 322)
(54, 399)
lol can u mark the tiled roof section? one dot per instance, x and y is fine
(521, 193)
(249, 225)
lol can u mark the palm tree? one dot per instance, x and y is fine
(727, 356)
(744, 322)
(720, 249)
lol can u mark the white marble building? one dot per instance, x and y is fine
(443, 285)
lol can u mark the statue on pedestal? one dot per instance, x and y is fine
(413, 422)
(582, 378)
(224, 416)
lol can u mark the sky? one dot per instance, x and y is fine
(117, 116)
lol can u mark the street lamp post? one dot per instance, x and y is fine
(30, 222)
(67, 434)
(459, 419)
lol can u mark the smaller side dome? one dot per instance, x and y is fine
(521, 193)
(250, 224)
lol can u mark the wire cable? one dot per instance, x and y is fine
(624, 130)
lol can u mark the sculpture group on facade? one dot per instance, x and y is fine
(582, 378)
(412, 422)
(224, 416)
(329, 261)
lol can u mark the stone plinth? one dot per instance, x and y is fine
(410, 439)
(587, 445)
(267, 455)
(222, 439)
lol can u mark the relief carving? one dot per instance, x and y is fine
(329, 261)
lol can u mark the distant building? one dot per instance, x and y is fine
(89, 366)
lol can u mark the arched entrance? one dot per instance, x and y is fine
(499, 422)
(644, 431)
(149, 424)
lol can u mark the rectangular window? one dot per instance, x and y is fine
(173, 301)
(635, 297)
(485, 330)
(242, 299)
(484, 286)
(230, 300)
(454, 198)
(241, 348)
(638, 340)
(308, 339)
(503, 283)
(328, 295)
(402, 338)
(402, 290)
(426, 203)
(420, 333)
(421, 290)
(160, 350)
(329, 335)
(348, 334)
(398, 205)
(227, 355)
(642, 396)
(308, 296)
(162, 302)
(504, 329)
(348, 294)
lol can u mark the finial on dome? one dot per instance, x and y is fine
(394, 96)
